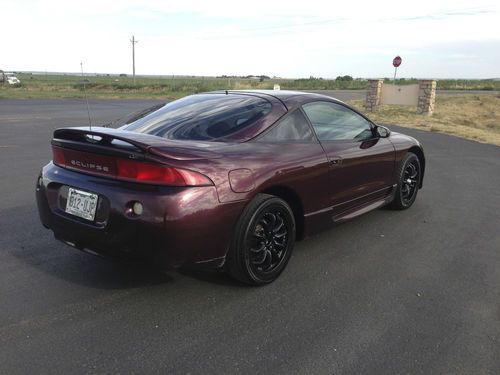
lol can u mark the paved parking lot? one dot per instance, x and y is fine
(390, 292)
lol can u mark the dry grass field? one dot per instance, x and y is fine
(471, 116)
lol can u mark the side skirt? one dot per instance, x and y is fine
(366, 207)
(321, 220)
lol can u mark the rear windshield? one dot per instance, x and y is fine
(204, 117)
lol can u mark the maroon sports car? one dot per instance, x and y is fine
(224, 179)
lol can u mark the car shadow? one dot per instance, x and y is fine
(216, 276)
(37, 248)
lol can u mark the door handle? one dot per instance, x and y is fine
(335, 160)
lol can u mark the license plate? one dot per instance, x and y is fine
(81, 203)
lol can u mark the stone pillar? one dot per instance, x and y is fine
(373, 94)
(426, 97)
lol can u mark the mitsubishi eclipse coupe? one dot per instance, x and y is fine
(227, 179)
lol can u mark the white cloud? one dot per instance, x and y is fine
(320, 38)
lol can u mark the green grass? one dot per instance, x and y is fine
(104, 86)
(69, 86)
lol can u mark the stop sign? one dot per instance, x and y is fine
(397, 61)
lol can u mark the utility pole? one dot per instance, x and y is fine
(133, 41)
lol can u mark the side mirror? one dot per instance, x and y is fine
(382, 131)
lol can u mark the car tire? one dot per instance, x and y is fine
(409, 177)
(263, 241)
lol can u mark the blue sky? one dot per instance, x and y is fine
(436, 39)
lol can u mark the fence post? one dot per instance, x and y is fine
(426, 97)
(373, 94)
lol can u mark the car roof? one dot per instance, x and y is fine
(289, 98)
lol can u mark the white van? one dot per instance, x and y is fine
(11, 79)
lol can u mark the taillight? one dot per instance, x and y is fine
(58, 156)
(129, 170)
(158, 173)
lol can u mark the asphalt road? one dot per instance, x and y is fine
(416, 291)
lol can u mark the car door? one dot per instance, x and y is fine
(361, 163)
(299, 162)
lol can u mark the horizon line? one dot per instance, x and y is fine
(42, 72)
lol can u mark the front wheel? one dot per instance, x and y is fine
(263, 241)
(409, 176)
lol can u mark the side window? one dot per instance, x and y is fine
(292, 128)
(334, 122)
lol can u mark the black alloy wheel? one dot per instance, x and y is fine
(263, 241)
(268, 241)
(408, 183)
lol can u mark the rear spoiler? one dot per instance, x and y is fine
(99, 140)
(129, 144)
(105, 137)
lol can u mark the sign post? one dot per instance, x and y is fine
(395, 63)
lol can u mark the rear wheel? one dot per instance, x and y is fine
(263, 241)
(408, 182)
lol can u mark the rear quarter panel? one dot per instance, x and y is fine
(302, 167)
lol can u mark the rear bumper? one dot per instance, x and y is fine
(178, 225)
